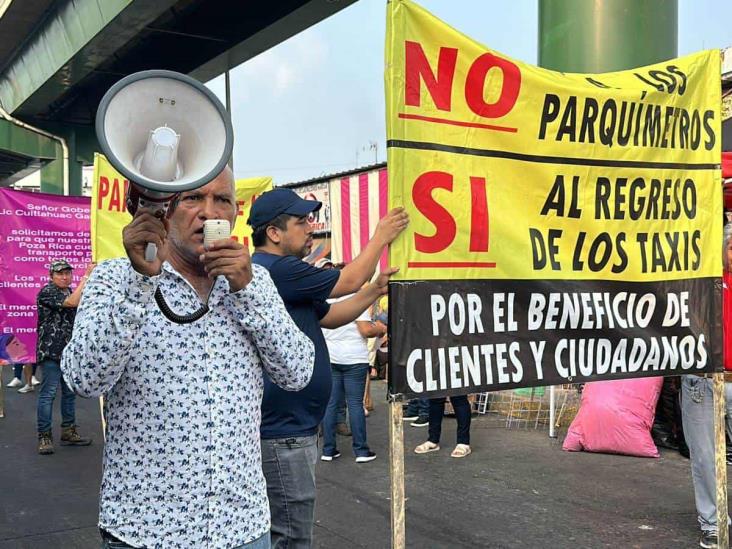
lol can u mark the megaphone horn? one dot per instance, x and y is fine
(166, 133)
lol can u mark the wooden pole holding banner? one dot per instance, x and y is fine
(396, 473)
(720, 459)
(552, 412)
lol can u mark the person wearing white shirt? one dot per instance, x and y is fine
(349, 358)
(182, 459)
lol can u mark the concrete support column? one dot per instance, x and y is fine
(592, 36)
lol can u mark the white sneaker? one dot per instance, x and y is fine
(15, 383)
(26, 389)
(365, 459)
(34, 381)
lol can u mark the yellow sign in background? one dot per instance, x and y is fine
(109, 215)
(511, 171)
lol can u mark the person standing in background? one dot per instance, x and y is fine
(436, 413)
(29, 372)
(57, 305)
(342, 427)
(13, 352)
(697, 414)
(349, 358)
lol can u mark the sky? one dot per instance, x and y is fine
(314, 104)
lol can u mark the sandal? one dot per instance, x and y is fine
(461, 451)
(426, 447)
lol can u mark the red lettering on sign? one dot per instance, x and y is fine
(115, 201)
(479, 215)
(417, 70)
(475, 86)
(240, 210)
(103, 191)
(442, 220)
(445, 223)
(123, 206)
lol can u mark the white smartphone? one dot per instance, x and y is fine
(215, 229)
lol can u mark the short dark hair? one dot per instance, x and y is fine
(259, 234)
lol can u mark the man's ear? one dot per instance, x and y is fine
(274, 234)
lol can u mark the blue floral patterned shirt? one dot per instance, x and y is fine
(182, 461)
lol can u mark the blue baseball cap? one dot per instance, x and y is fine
(280, 201)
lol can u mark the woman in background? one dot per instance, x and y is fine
(437, 411)
(349, 358)
(697, 414)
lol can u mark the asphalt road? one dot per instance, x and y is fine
(517, 489)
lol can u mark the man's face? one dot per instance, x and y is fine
(62, 279)
(215, 200)
(297, 238)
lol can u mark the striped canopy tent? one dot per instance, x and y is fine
(357, 203)
(727, 178)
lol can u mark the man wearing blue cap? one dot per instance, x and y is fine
(282, 236)
(57, 305)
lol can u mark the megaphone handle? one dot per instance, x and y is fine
(158, 208)
(151, 252)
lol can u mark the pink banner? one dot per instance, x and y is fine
(35, 229)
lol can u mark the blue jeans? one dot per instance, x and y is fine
(288, 465)
(351, 380)
(342, 418)
(51, 379)
(109, 542)
(697, 416)
(462, 413)
(418, 407)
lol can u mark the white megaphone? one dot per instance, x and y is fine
(166, 133)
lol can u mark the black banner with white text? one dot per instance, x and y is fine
(456, 337)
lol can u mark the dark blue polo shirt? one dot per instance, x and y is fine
(304, 289)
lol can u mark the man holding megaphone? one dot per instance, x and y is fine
(178, 334)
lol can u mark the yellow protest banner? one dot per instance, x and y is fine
(510, 171)
(247, 191)
(109, 215)
(563, 227)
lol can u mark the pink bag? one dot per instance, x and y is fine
(615, 417)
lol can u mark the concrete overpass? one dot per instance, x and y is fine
(58, 57)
